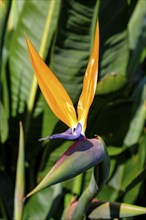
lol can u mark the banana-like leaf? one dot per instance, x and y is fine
(73, 44)
(16, 8)
(4, 9)
(3, 124)
(81, 156)
(114, 37)
(38, 21)
(113, 111)
(137, 36)
(39, 206)
(139, 159)
(110, 114)
(19, 186)
(124, 181)
(111, 83)
(134, 132)
(110, 210)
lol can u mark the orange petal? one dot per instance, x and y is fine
(89, 83)
(53, 91)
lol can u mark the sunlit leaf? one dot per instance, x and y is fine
(111, 83)
(41, 204)
(22, 75)
(137, 123)
(106, 210)
(3, 124)
(137, 35)
(19, 185)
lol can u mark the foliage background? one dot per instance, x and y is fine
(62, 32)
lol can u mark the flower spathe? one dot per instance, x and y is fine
(82, 155)
(57, 97)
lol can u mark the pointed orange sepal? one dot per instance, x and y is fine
(53, 91)
(89, 83)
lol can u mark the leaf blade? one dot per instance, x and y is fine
(19, 187)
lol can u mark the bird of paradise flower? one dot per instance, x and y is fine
(57, 97)
(84, 153)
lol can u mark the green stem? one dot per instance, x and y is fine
(77, 184)
(20, 179)
(85, 199)
(98, 180)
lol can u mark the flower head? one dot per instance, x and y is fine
(57, 97)
(84, 153)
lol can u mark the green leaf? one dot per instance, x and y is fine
(38, 206)
(111, 112)
(139, 159)
(20, 179)
(114, 150)
(117, 179)
(5, 84)
(137, 123)
(114, 37)
(15, 13)
(111, 83)
(41, 204)
(110, 118)
(136, 24)
(4, 129)
(73, 44)
(2, 209)
(126, 182)
(137, 35)
(110, 210)
(136, 126)
(4, 15)
(38, 21)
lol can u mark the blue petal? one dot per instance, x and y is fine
(68, 134)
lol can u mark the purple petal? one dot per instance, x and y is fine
(68, 135)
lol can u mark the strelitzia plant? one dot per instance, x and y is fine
(84, 153)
